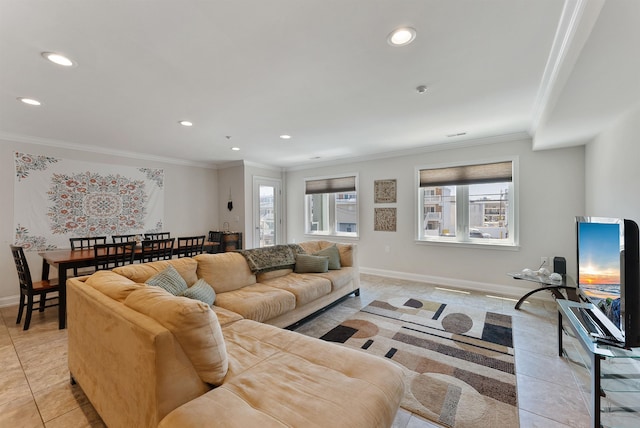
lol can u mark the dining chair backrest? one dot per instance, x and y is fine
(157, 249)
(30, 289)
(157, 235)
(116, 239)
(189, 246)
(88, 242)
(109, 256)
(24, 275)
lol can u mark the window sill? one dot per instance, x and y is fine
(470, 244)
(329, 235)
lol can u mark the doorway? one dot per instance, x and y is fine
(266, 216)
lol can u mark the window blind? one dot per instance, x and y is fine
(497, 172)
(330, 185)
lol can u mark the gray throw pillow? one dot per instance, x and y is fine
(170, 280)
(334, 256)
(201, 291)
(306, 263)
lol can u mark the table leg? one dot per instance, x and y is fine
(595, 389)
(62, 296)
(559, 334)
(45, 269)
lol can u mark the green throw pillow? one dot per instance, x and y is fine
(306, 263)
(170, 280)
(201, 291)
(334, 256)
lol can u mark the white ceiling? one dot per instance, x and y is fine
(319, 70)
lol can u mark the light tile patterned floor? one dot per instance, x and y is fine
(35, 389)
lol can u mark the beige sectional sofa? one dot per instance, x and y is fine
(147, 358)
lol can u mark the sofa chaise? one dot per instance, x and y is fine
(147, 358)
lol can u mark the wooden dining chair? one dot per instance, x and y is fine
(109, 256)
(30, 289)
(215, 236)
(157, 235)
(189, 246)
(116, 239)
(157, 249)
(82, 244)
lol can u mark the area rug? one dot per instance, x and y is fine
(458, 361)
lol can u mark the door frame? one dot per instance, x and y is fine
(276, 183)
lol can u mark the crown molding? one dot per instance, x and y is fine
(101, 150)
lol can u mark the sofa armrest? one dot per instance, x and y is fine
(109, 343)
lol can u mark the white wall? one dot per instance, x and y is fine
(551, 194)
(612, 171)
(231, 181)
(191, 202)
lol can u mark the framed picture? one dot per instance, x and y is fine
(384, 191)
(385, 219)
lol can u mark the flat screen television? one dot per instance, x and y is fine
(609, 276)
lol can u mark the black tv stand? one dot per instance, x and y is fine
(556, 287)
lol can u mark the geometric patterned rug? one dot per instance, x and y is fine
(458, 362)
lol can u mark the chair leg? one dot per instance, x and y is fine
(27, 320)
(21, 308)
(42, 302)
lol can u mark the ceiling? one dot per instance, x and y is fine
(247, 71)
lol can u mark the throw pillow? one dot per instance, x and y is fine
(333, 254)
(201, 291)
(306, 263)
(170, 280)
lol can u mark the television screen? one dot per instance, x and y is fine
(600, 242)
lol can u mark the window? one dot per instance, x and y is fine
(468, 203)
(331, 206)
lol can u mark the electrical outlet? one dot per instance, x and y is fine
(544, 262)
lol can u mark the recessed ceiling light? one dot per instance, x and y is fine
(285, 137)
(401, 36)
(185, 123)
(235, 149)
(58, 59)
(30, 101)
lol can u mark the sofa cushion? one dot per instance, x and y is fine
(257, 302)
(310, 383)
(170, 280)
(224, 271)
(140, 272)
(225, 316)
(306, 263)
(346, 250)
(339, 278)
(265, 276)
(194, 325)
(306, 288)
(334, 256)
(112, 285)
(200, 291)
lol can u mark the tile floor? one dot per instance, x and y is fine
(35, 389)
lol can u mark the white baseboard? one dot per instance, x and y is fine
(9, 301)
(485, 287)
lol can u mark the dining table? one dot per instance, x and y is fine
(66, 258)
